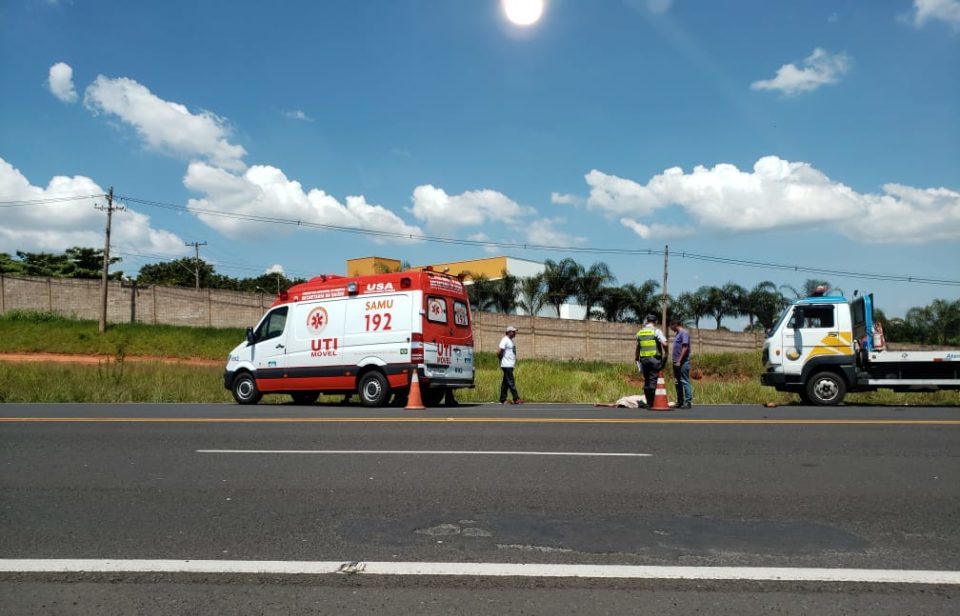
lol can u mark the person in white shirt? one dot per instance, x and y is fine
(507, 353)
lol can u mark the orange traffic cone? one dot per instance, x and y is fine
(660, 400)
(414, 401)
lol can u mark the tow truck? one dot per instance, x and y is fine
(826, 346)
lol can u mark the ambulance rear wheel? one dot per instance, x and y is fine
(374, 390)
(245, 390)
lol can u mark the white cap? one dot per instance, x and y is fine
(511, 328)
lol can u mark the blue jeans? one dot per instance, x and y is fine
(681, 373)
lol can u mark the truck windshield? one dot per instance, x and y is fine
(776, 326)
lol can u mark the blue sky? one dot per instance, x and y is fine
(816, 133)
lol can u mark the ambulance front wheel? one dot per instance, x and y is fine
(245, 389)
(374, 390)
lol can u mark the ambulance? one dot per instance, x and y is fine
(363, 335)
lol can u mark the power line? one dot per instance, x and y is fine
(551, 248)
(65, 198)
(227, 265)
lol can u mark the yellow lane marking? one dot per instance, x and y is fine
(533, 420)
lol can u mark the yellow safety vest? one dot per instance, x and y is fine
(647, 340)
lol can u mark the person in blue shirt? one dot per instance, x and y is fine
(681, 364)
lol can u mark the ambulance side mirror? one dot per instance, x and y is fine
(250, 338)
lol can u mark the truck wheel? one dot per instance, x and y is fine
(305, 397)
(245, 390)
(374, 389)
(826, 389)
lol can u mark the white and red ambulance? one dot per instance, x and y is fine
(361, 334)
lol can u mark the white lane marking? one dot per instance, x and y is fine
(433, 452)
(271, 567)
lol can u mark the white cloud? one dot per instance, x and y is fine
(276, 268)
(443, 213)
(166, 126)
(779, 194)
(544, 232)
(54, 227)
(617, 195)
(818, 69)
(60, 82)
(297, 114)
(947, 11)
(657, 231)
(566, 199)
(263, 190)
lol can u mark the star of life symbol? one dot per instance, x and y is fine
(317, 319)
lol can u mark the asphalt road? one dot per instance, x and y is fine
(726, 486)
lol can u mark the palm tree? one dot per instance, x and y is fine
(560, 281)
(504, 293)
(532, 296)
(480, 292)
(615, 304)
(643, 299)
(591, 284)
(764, 303)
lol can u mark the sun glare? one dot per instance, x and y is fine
(523, 12)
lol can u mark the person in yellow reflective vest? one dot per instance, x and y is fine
(651, 349)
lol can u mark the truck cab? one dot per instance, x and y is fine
(813, 335)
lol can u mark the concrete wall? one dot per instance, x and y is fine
(538, 337)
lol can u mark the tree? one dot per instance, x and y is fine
(764, 303)
(43, 263)
(694, 305)
(88, 263)
(532, 297)
(642, 299)
(273, 282)
(181, 273)
(615, 304)
(560, 281)
(480, 292)
(76, 262)
(9, 265)
(504, 292)
(591, 284)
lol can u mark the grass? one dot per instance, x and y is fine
(34, 332)
(728, 378)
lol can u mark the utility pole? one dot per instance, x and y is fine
(106, 259)
(663, 302)
(196, 271)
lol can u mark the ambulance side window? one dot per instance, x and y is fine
(436, 309)
(272, 326)
(461, 314)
